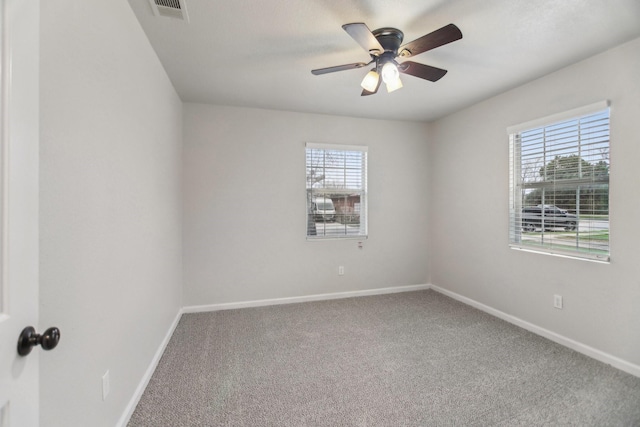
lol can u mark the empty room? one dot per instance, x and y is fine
(320, 213)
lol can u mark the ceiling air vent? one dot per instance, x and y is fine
(170, 8)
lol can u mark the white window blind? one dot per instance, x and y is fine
(336, 191)
(559, 184)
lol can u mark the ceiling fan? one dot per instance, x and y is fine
(384, 46)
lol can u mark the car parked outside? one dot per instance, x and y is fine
(323, 209)
(552, 216)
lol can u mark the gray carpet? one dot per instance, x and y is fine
(409, 359)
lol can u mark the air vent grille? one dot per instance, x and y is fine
(175, 4)
(176, 9)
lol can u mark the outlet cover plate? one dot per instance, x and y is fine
(557, 301)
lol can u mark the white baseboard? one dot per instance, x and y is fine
(307, 298)
(126, 416)
(594, 353)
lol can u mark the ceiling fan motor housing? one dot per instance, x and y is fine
(389, 38)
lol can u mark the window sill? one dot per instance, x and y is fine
(600, 260)
(322, 238)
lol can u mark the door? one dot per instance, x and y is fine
(19, 136)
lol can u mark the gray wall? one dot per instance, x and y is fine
(110, 219)
(244, 206)
(468, 195)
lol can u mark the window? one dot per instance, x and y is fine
(559, 184)
(336, 191)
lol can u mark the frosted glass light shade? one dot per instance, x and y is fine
(390, 72)
(370, 81)
(394, 85)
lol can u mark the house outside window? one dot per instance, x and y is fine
(559, 184)
(336, 184)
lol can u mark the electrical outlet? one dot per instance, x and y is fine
(105, 385)
(341, 270)
(557, 301)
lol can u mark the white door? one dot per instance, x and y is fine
(19, 135)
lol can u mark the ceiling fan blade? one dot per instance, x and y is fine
(447, 34)
(367, 93)
(422, 71)
(338, 68)
(365, 38)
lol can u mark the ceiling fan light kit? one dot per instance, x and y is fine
(384, 45)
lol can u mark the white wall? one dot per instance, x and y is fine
(110, 219)
(468, 155)
(245, 215)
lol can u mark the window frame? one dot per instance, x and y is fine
(357, 189)
(517, 184)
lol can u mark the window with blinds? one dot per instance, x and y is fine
(336, 191)
(559, 184)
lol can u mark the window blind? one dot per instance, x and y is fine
(559, 185)
(336, 183)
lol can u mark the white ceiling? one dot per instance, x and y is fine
(260, 53)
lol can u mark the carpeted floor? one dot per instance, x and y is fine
(408, 359)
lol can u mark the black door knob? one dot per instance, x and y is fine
(29, 338)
